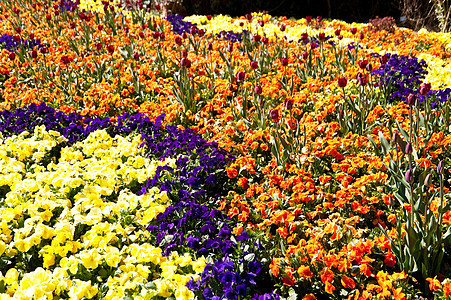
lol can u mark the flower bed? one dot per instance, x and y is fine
(313, 164)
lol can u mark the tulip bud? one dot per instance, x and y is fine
(230, 47)
(18, 29)
(361, 78)
(337, 32)
(201, 32)
(135, 55)
(258, 89)
(354, 30)
(72, 25)
(424, 89)
(209, 46)
(282, 27)
(289, 103)
(304, 55)
(411, 99)
(34, 54)
(408, 149)
(409, 176)
(43, 50)
(12, 56)
(254, 65)
(383, 59)
(31, 36)
(240, 76)
(321, 36)
(193, 30)
(184, 35)
(178, 40)
(369, 67)
(428, 180)
(184, 53)
(342, 81)
(157, 7)
(230, 87)
(110, 49)
(248, 17)
(260, 101)
(261, 23)
(319, 19)
(440, 167)
(209, 17)
(185, 62)
(100, 27)
(362, 64)
(257, 38)
(274, 114)
(284, 61)
(308, 19)
(362, 36)
(304, 36)
(98, 46)
(265, 40)
(395, 138)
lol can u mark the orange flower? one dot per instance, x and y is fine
(347, 282)
(447, 289)
(330, 288)
(304, 272)
(309, 297)
(434, 284)
(327, 276)
(232, 172)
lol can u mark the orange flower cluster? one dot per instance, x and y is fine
(320, 212)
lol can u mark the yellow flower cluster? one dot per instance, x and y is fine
(79, 216)
(439, 71)
(293, 30)
(96, 5)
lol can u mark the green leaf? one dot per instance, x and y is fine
(384, 143)
(376, 148)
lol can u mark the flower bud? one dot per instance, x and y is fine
(342, 82)
(354, 30)
(289, 103)
(258, 89)
(72, 25)
(274, 114)
(254, 65)
(12, 56)
(409, 176)
(257, 38)
(135, 55)
(261, 23)
(230, 47)
(248, 17)
(411, 99)
(178, 40)
(284, 61)
(440, 167)
(308, 19)
(282, 27)
(240, 76)
(319, 19)
(361, 78)
(428, 180)
(265, 40)
(304, 36)
(408, 150)
(395, 138)
(43, 50)
(337, 32)
(369, 67)
(362, 64)
(110, 49)
(193, 30)
(209, 17)
(184, 35)
(209, 46)
(184, 53)
(201, 32)
(424, 89)
(321, 36)
(304, 55)
(185, 62)
(34, 54)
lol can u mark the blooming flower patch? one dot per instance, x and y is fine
(213, 157)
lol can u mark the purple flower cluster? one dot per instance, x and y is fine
(400, 75)
(178, 25)
(10, 43)
(231, 35)
(437, 96)
(68, 5)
